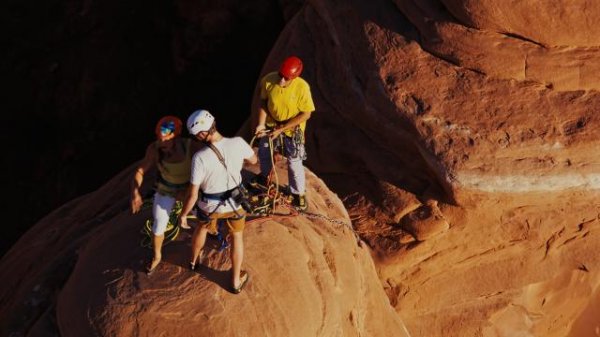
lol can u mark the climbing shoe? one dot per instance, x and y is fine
(299, 202)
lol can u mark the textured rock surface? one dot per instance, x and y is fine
(463, 139)
(553, 43)
(556, 23)
(415, 107)
(80, 273)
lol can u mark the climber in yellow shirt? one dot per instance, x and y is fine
(286, 105)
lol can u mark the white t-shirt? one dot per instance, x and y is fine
(210, 175)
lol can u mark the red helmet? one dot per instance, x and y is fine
(168, 127)
(291, 68)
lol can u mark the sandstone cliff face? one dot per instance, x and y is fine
(81, 273)
(553, 43)
(556, 23)
(465, 148)
(463, 139)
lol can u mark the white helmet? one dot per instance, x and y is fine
(200, 120)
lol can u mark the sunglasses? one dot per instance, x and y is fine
(285, 78)
(167, 128)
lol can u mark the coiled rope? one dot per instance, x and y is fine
(273, 194)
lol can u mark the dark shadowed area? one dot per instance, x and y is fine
(86, 82)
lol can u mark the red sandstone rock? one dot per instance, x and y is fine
(80, 272)
(502, 130)
(551, 23)
(417, 106)
(551, 43)
(425, 222)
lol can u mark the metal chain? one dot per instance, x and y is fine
(333, 221)
(279, 199)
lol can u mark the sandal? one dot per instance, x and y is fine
(244, 277)
(193, 265)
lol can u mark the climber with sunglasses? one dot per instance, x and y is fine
(170, 154)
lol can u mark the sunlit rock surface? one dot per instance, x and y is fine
(463, 138)
(80, 272)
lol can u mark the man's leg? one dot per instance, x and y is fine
(264, 156)
(236, 226)
(237, 256)
(295, 154)
(198, 241)
(296, 176)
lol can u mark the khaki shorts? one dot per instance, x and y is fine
(235, 223)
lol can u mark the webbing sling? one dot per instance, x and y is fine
(222, 160)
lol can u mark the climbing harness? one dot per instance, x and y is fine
(239, 194)
(201, 216)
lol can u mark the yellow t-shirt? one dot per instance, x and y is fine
(285, 103)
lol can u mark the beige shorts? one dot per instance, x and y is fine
(235, 221)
